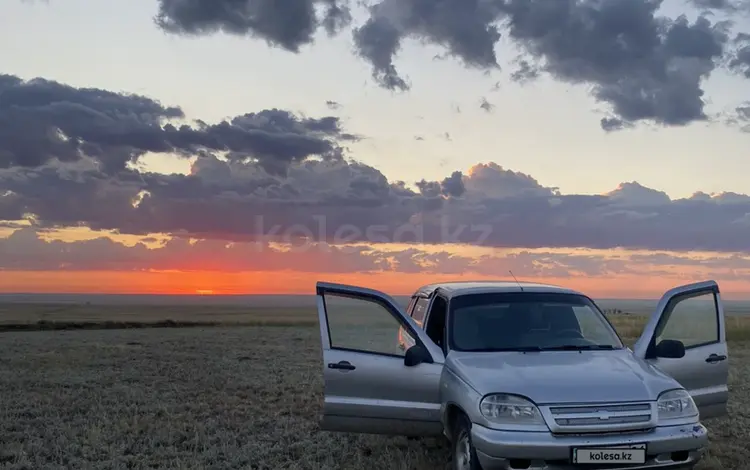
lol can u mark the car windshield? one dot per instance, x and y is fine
(521, 321)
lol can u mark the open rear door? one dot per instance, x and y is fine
(692, 314)
(369, 387)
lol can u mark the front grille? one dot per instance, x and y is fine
(601, 418)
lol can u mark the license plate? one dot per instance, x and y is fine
(610, 455)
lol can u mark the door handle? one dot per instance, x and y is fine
(342, 365)
(715, 358)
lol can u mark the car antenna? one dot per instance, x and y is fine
(514, 278)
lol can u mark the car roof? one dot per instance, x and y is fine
(489, 287)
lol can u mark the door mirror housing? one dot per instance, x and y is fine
(416, 355)
(670, 348)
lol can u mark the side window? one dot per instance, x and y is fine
(692, 319)
(420, 311)
(362, 325)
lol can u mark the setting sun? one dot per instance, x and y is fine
(204, 291)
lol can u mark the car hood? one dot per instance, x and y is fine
(562, 376)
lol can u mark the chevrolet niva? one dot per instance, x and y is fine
(525, 376)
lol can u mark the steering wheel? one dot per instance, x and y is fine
(576, 333)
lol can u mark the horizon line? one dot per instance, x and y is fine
(194, 294)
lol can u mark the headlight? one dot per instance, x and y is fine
(676, 404)
(511, 410)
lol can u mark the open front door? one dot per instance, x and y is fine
(692, 314)
(370, 386)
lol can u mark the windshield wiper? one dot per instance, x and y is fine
(576, 347)
(518, 349)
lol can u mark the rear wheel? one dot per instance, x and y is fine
(464, 456)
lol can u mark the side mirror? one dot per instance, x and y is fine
(416, 355)
(670, 348)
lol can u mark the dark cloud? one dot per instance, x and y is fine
(333, 105)
(644, 66)
(289, 24)
(260, 176)
(42, 121)
(713, 4)
(740, 58)
(610, 124)
(343, 202)
(485, 105)
(525, 72)
(453, 186)
(465, 28)
(740, 117)
(725, 6)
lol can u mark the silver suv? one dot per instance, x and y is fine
(525, 376)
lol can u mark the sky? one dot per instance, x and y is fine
(248, 146)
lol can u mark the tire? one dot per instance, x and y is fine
(463, 453)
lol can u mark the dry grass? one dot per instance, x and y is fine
(221, 397)
(30, 316)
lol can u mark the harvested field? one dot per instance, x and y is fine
(229, 396)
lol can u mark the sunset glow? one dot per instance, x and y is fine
(184, 283)
(257, 170)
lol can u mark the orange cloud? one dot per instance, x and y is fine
(87, 261)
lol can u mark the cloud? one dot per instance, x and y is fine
(43, 121)
(274, 176)
(28, 249)
(739, 117)
(465, 29)
(289, 24)
(333, 104)
(740, 56)
(486, 105)
(725, 6)
(345, 202)
(635, 194)
(643, 66)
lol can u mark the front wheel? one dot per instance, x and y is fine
(464, 456)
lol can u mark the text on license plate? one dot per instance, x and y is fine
(611, 455)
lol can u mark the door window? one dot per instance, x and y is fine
(691, 319)
(362, 325)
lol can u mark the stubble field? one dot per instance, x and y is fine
(245, 392)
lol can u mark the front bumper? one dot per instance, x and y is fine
(508, 450)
